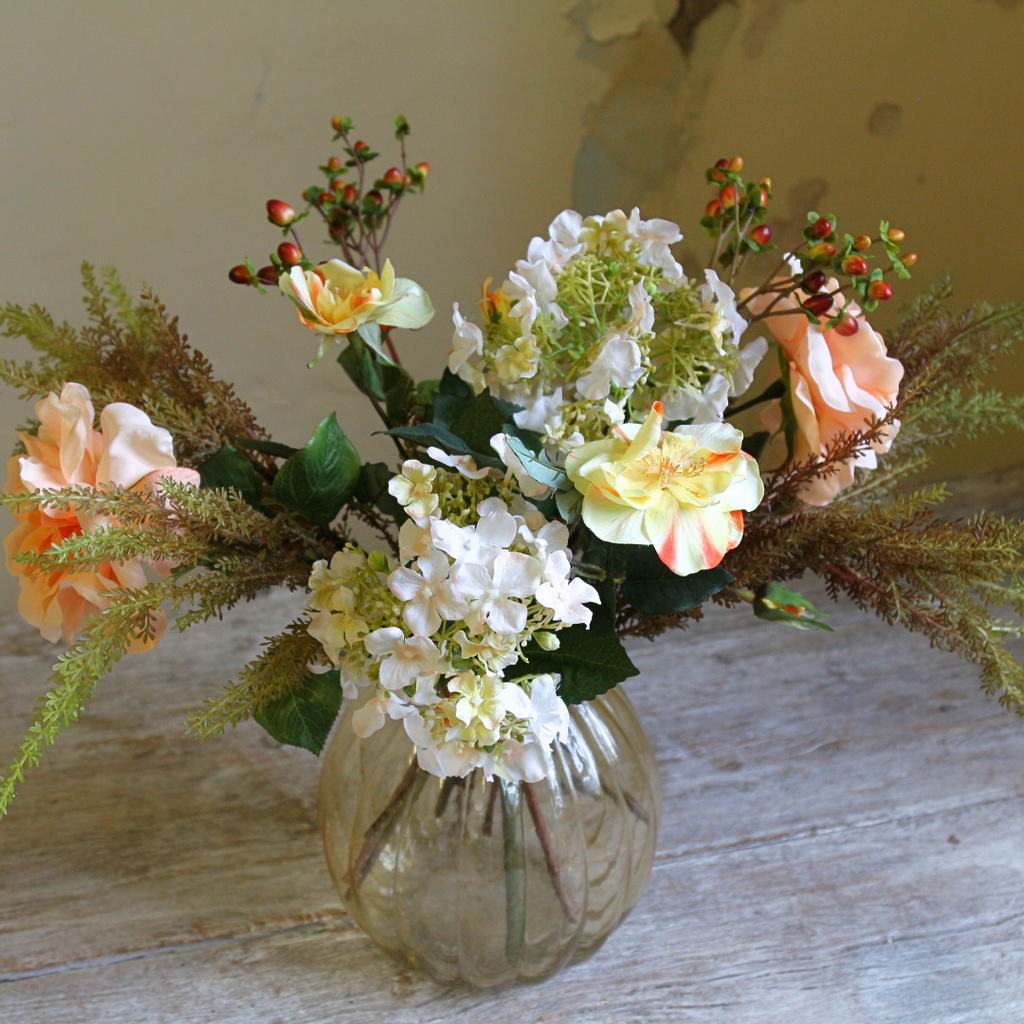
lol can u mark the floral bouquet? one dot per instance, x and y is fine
(594, 463)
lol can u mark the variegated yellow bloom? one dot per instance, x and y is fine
(336, 298)
(684, 492)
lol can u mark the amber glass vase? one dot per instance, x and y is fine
(492, 883)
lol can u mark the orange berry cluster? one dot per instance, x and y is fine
(739, 210)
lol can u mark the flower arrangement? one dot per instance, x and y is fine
(577, 475)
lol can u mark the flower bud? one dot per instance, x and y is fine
(279, 213)
(423, 167)
(847, 327)
(334, 164)
(361, 147)
(713, 208)
(377, 561)
(767, 183)
(289, 253)
(814, 281)
(327, 197)
(336, 123)
(895, 235)
(727, 197)
(819, 305)
(821, 228)
(823, 250)
(855, 265)
(351, 194)
(240, 274)
(909, 259)
(267, 275)
(720, 165)
(393, 176)
(762, 234)
(879, 291)
(862, 243)
(736, 163)
(374, 197)
(547, 641)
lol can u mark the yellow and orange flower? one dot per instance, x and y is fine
(336, 298)
(128, 451)
(684, 492)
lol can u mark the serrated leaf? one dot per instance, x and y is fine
(590, 661)
(652, 588)
(303, 717)
(317, 480)
(229, 468)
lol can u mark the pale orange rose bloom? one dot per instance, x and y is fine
(128, 451)
(838, 384)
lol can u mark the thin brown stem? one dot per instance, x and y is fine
(554, 872)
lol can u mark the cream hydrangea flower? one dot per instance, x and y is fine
(413, 489)
(336, 298)
(683, 492)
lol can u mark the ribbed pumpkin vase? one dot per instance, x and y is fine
(493, 883)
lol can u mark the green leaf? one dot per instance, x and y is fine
(384, 381)
(229, 468)
(370, 333)
(776, 603)
(357, 362)
(303, 717)
(319, 479)
(754, 444)
(397, 384)
(372, 489)
(538, 467)
(401, 126)
(281, 451)
(484, 417)
(652, 588)
(590, 661)
(453, 397)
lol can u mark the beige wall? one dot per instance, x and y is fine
(149, 136)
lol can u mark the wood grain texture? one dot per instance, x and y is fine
(842, 844)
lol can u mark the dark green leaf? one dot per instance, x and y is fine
(753, 444)
(357, 362)
(319, 479)
(397, 384)
(281, 451)
(590, 661)
(481, 420)
(434, 433)
(303, 717)
(229, 468)
(453, 397)
(372, 489)
(652, 588)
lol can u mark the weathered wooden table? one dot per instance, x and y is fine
(843, 843)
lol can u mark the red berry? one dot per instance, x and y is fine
(279, 213)
(334, 164)
(762, 235)
(862, 243)
(895, 235)
(713, 208)
(350, 194)
(374, 197)
(855, 265)
(240, 274)
(360, 147)
(736, 163)
(727, 197)
(393, 176)
(767, 182)
(763, 197)
(336, 123)
(814, 281)
(267, 275)
(847, 326)
(289, 253)
(327, 197)
(423, 167)
(909, 259)
(879, 291)
(821, 228)
(819, 305)
(823, 250)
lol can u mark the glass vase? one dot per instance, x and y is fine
(492, 883)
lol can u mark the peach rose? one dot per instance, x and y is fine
(127, 451)
(838, 383)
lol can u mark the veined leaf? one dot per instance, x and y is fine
(304, 715)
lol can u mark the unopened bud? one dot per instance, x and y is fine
(766, 182)
(736, 163)
(727, 197)
(374, 197)
(847, 327)
(360, 147)
(895, 235)
(289, 253)
(351, 194)
(336, 123)
(814, 281)
(819, 305)
(424, 168)
(334, 164)
(879, 291)
(547, 641)
(762, 235)
(377, 561)
(821, 228)
(909, 259)
(267, 275)
(279, 213)
(240, 274)
(855, 265)
(862, 243)
(393, 176)
(713, 208)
